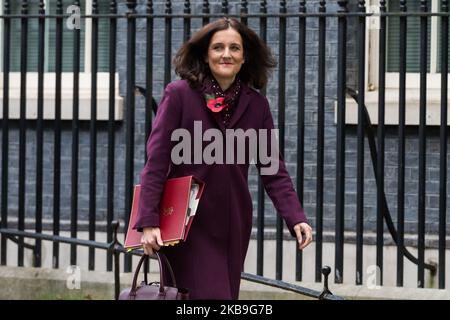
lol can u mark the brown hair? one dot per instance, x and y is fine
(259, 61)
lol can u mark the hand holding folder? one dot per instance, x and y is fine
(177, 210)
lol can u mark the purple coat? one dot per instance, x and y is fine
(211, 260)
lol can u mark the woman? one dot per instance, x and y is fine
(217, 66)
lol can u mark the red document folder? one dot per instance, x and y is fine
(177, 210)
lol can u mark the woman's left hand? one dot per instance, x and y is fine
(304, 234)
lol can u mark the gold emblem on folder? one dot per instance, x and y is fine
(167, 211)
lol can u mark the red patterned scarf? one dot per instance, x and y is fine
(221, 103)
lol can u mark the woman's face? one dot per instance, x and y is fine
(225, 54)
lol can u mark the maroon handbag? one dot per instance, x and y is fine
(154, 290)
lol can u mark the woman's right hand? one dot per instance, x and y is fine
(151, 240)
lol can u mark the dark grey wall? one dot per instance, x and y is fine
(290, 138)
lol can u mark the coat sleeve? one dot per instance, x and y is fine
(278, 184)
(159, 146)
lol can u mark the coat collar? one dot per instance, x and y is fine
(242, 105)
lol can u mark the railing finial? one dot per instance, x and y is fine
(362, 5)
(205, 6)
(403, 5)
(150, 6)
(131, 4)
(168, 6)
(424, 5)
(115, 230)
(6, 6)
(113, 6)
(263, 4)
(244, 6)
(24, 7)
(224, 7)
(283, 8)
(244, 11)
(322, 6)
(342, 5)
(302, 6)
(205, 11)
(59, 7)
(326, 291)
(187, 6)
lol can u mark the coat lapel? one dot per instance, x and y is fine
(242, 105)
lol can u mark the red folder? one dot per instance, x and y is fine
(177, 210)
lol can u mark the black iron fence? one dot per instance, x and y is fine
(324, 15)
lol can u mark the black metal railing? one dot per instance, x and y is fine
(338, 13)
(115, 248)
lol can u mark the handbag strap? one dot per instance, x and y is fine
(161, 272)
(146, 269)
(172, 275)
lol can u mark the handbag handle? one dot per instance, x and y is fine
(161, 273)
